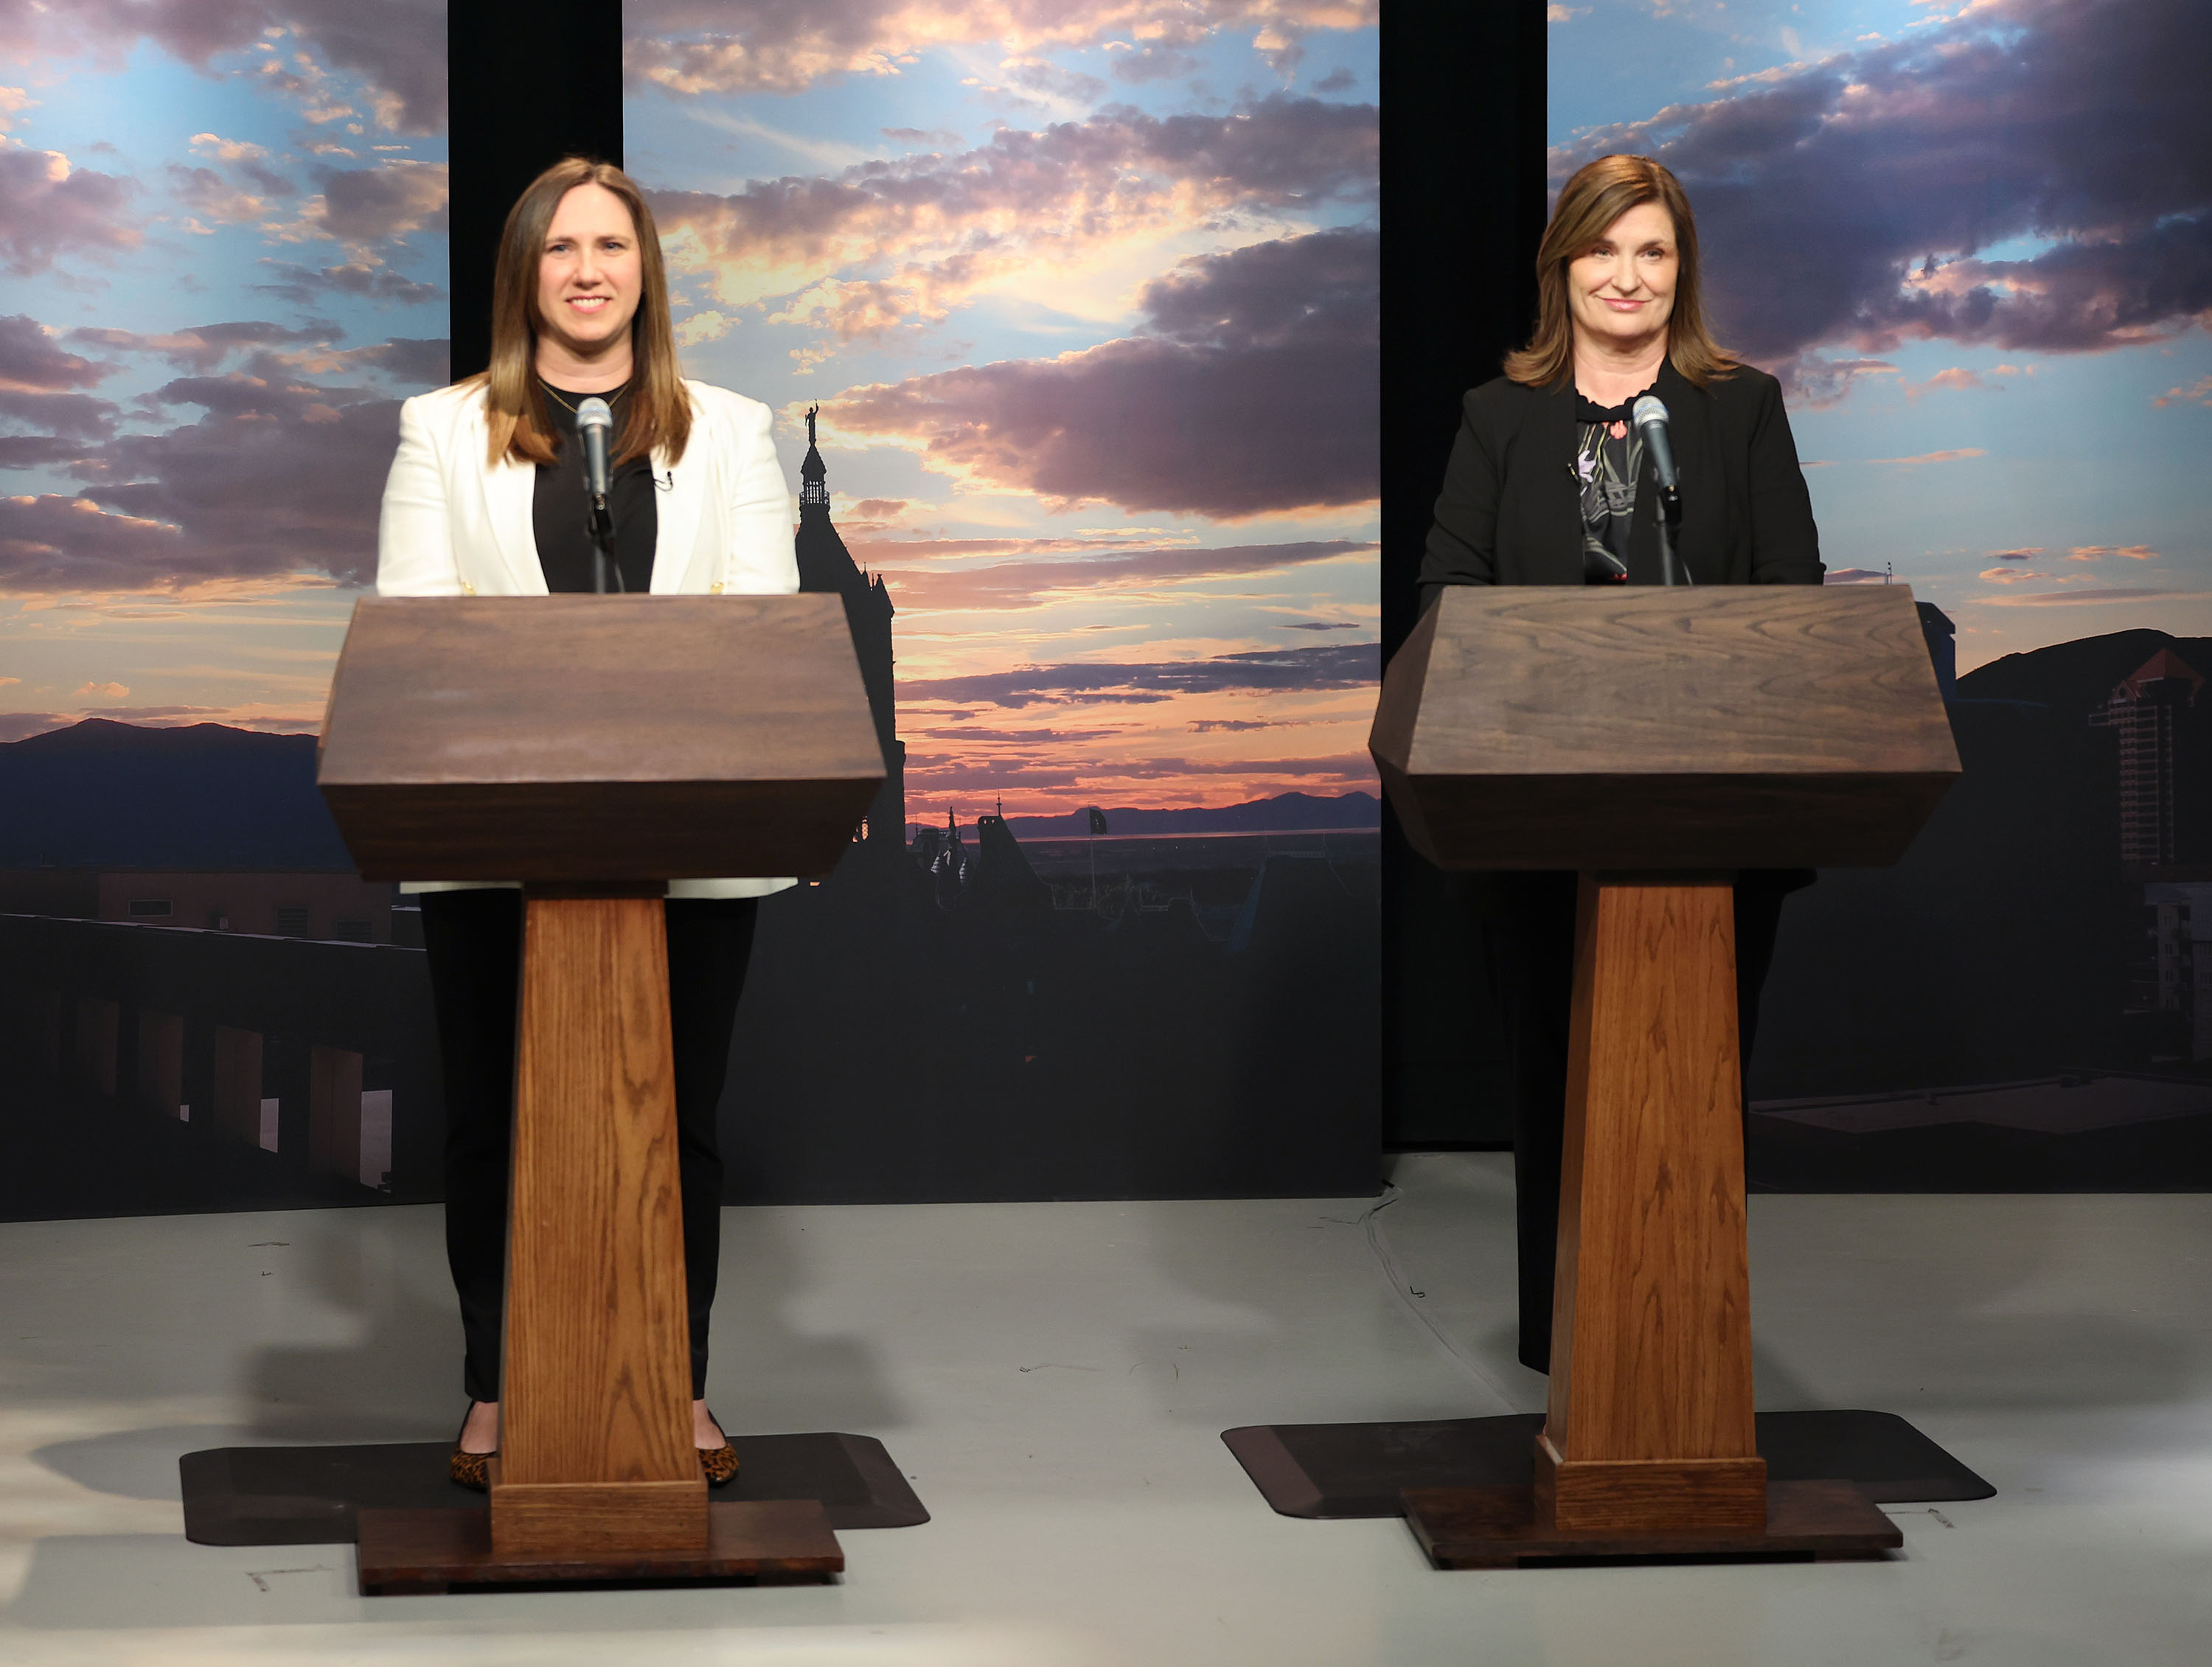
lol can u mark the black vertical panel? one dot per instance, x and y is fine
(529, 83)
(1464, 207)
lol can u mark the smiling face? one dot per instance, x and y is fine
(590, 275)
(1620, 290)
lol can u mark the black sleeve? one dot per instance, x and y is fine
(1463, 538)
(1785, 546)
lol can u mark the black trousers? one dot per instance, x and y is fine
(474, 940)
(1528, 939)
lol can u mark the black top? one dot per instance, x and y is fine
(560, 512)
(1511, 512)
(1608, 456)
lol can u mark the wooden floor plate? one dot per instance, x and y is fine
(771, 1541)
(1496, 1527)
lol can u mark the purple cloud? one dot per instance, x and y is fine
(1254, 391)
(48, 208)
(1847, 202)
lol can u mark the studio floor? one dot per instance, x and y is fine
(1055, 1379)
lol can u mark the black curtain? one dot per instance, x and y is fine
(1463, 208)
(527, 84)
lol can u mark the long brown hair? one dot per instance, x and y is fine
(514, 400)
(1598, 195)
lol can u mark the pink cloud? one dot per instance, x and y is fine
(1032, 584)
(2094, 553)
(2009, 576)
(889, 246)
(1954, 455)
(693, 47)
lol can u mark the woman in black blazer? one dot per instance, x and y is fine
(1549, 485)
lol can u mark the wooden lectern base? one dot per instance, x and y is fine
(1501, 1528)
(769, 1542)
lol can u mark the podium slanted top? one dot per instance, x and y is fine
(598, 738)
(1707, 727)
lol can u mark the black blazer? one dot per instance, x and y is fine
(1511, 512)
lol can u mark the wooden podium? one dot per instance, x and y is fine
(595, 747)
(1657, 740)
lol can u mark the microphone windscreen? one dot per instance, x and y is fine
(595, 414)
(1648, 411)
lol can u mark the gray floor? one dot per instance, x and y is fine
(1055, 1379)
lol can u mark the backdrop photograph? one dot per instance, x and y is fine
(1971, 242)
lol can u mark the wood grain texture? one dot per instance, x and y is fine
(1721, 727)
(588, 1519)
(1500, 1528)
(1651, 1321)
(598, 1350)
(597, 737)
(1649, 1495)
(766, 1541)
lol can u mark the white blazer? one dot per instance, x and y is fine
(454, 525)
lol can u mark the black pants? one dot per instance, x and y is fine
(474, 940)
(1529, 941)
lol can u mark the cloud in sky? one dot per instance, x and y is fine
(279, 473)
(1847, 202)
(691, 47)
(1957, 453)
(2010, 575)
(49, 209)
(1253, 390)
(2085, 598)
(1334, 665)
(2092, 553)
(885, 246)
(1032, 584)
(397, 45)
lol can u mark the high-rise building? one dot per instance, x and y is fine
(824, 565)
(2153, 713)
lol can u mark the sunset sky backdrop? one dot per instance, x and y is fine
(1087, 290)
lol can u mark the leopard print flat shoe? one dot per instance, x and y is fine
(720, 1464)
(470, 1469)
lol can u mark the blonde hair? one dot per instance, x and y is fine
(515, 402)
(1598, 195)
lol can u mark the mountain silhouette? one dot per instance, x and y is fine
(101, 793)
(1286, 812)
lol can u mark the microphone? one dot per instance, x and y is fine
(595, 421)
(1650, 416)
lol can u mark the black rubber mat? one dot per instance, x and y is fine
(308, 1495)
(1340, 1471)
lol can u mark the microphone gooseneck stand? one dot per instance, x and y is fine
(603, 565)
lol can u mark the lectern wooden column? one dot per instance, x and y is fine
(1657, 740)
(594, 748)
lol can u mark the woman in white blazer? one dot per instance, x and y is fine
(485, 498)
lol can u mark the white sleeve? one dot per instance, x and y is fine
(414, 534)
(761, 560)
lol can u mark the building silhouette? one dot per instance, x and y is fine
(2154, 714)
(824, 565)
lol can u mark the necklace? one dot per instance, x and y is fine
(552, 394)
